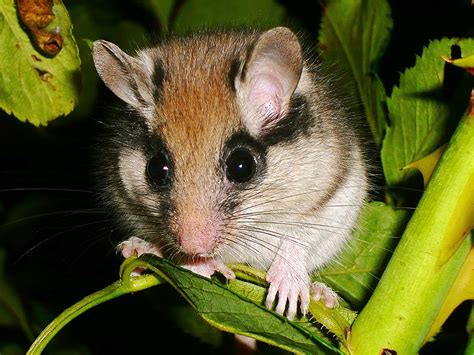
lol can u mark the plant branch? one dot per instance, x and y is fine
(427, 261)
(126, 284)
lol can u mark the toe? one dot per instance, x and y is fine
(320, 291)
(137, 246)
(271, 294)
(126, 249)
(282, 299)
(203, 269)
(330, 299)
(228, 274)
(304, 301)
(316, 291)
(224, 270)
(292, 304)
(126, 252)
(291, 285)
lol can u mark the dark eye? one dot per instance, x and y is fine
(158, 169)
(241, 165)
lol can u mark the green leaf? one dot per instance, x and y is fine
(354, 35)
(33, 87)
(422, 115)
(233, 308)
(237, 308)
(199, 14)
(356, 271)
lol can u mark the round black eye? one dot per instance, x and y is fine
(241, 165)
(158, 169)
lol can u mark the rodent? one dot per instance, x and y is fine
(232, 148)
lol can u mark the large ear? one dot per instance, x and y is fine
(124, 75)
(269, 77)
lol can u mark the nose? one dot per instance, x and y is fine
(197, 238)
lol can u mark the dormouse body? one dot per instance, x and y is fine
(232, 148)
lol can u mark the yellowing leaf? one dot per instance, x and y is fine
(466, 63)
(462, 289)
(426, 165)
(33, 87)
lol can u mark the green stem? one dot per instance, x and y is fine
(425, 264)
(124, 286)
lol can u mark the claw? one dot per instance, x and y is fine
(282, 298)
(224, 270)
(271, 294)
(292, 304)
(304, 302)
(291, 285)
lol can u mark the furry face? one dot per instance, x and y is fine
(232, 149)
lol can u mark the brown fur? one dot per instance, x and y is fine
(196, 112)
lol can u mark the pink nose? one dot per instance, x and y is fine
(196, 239)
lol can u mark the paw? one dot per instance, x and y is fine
(320, 291)
(207, 267)
(292, 286)
(137, 246)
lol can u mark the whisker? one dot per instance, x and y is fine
(250, 238)
(67, 213)
(85, 245)
(42, 242)
(277, 235)
(295, 224)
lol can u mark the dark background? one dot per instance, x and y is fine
(60, 246)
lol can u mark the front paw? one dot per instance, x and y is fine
(136, 246)
(208, 267)
(292, 285)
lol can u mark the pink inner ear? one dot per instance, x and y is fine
(266, 95)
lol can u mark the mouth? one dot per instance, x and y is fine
(199, 256)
